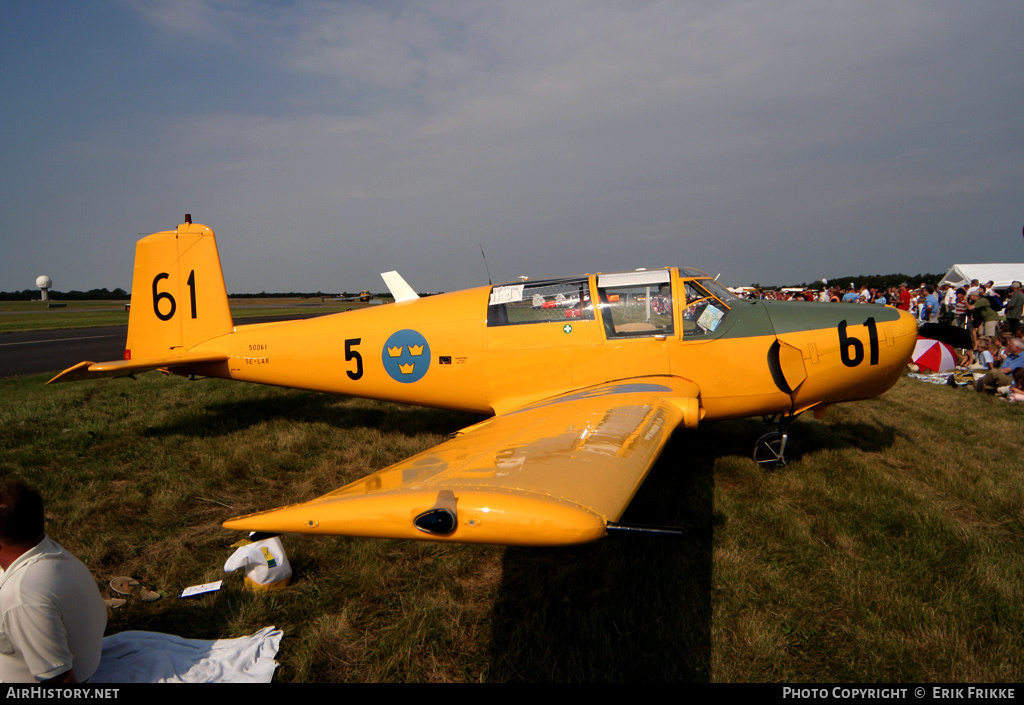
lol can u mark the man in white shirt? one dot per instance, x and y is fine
(52, 616)
(948, 298)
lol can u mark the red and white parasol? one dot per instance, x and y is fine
(933, 356)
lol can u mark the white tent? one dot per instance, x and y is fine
(1001, 274)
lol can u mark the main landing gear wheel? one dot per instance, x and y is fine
(770, 450)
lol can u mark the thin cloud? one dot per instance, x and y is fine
(770, 142)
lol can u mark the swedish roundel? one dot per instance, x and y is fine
(406, 356)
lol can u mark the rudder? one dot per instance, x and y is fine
(178, 294)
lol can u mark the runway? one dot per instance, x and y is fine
(55, 350)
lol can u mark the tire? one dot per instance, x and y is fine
(769, 452)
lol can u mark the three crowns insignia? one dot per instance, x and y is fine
(414, 350)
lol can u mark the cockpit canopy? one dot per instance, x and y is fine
(633, 304)
(541, 301)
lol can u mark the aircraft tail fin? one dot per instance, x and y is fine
(178, 302)
(178, 294)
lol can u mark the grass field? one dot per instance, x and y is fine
(891, 549)
(34, 315)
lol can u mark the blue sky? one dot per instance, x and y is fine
(325, 142)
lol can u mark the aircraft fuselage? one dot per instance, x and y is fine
(764, 358)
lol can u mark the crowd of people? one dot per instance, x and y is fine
(993, 318)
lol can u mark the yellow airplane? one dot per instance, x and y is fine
(364, 296)
(581, 398)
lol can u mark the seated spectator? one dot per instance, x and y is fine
(966, 358)
(1001, 377)
(1000, 349)
(51, 614)
(1016, 393)
(981, 357)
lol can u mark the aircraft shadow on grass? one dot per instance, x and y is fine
(868, 437)
(225, 418)
(625, 609)
(231, 417)
(632, 609)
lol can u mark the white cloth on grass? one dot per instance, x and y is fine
(151, 657)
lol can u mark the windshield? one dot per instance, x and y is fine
(706, 304)
(709, 283)
(719, 291)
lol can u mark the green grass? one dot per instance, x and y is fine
(19, 316)
(891, 549)
(34, 315)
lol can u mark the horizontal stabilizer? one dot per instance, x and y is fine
(126, 368)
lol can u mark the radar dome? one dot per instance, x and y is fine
(44, 282)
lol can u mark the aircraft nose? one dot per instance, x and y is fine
(875, 353)
(848, 351)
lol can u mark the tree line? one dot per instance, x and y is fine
(122, 295)
(104, 294)
(871, 281)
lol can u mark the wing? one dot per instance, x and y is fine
(553, 473)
